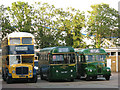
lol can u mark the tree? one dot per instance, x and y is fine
(5, 22)
(102, 22)
(21, 15)
(71, 22)
(46, 22)
(45, 33)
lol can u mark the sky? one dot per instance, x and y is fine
(83, 5)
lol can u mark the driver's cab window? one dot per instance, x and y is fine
(18, 59)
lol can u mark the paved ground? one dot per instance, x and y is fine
(100, 83)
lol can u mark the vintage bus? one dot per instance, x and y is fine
(57, 63)
(91, 63)
(18, 57)
(36, 64)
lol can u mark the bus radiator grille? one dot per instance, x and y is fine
(21, 70)
(99, 70)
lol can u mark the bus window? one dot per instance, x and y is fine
(100, 57)
(26, 40)
(90, 58)
(58, 58)
(26, 59)
(18, 58)
(72, 59)
(14, 40)
(83, 58)
(14, 60)
(66, 58)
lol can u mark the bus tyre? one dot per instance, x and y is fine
(41, 76)
(78, 77)
(50, 80)
(9, 80)
(94, 78)
(3, 77)
(107, 77)
(71, 80)
(34, 79)
(87, 78)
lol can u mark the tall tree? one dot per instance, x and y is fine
(46, 33)
(102, 22)
(71, 21)
(21, 15)
(5, 22)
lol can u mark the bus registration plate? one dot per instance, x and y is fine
(63, 71)
(100, 76)
(21, 76)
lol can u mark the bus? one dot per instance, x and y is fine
(91, 64)
(57, 63)
(36, 64)
(18, 57)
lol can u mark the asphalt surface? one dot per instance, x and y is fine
(99, 83)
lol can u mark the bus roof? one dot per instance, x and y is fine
(20, 34)
(92, 51)
(58, 49)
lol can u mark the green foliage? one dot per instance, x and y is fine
(21, 14)
(71, 22)
(102, 22)
(51, 25)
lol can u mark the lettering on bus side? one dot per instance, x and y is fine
(94, 51)
(63, 50)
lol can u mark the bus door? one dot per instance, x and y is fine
(82, 65)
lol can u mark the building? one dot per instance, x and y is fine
(113, 61)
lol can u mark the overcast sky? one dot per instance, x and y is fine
(83, 5)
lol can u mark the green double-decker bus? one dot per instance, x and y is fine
(91, 63)
(57, 63)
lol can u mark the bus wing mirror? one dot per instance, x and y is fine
(36, 58)
(108, 54)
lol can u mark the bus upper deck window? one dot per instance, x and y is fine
(14, 40)
(26, 40)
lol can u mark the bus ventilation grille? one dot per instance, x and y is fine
(21, 70)
(99, 70)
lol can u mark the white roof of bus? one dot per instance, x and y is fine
(20, 34)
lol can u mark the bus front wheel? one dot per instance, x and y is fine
(34, 79)
(107, 77)
(87, 77)
(3, 77)
(94, 78)
(8, 79)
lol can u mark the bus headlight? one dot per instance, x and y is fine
(13, 71)
(108, 70)
(57, 71)
(71, 70)
(30, 71)
(90, 70)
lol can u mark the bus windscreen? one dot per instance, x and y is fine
(63, 59)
